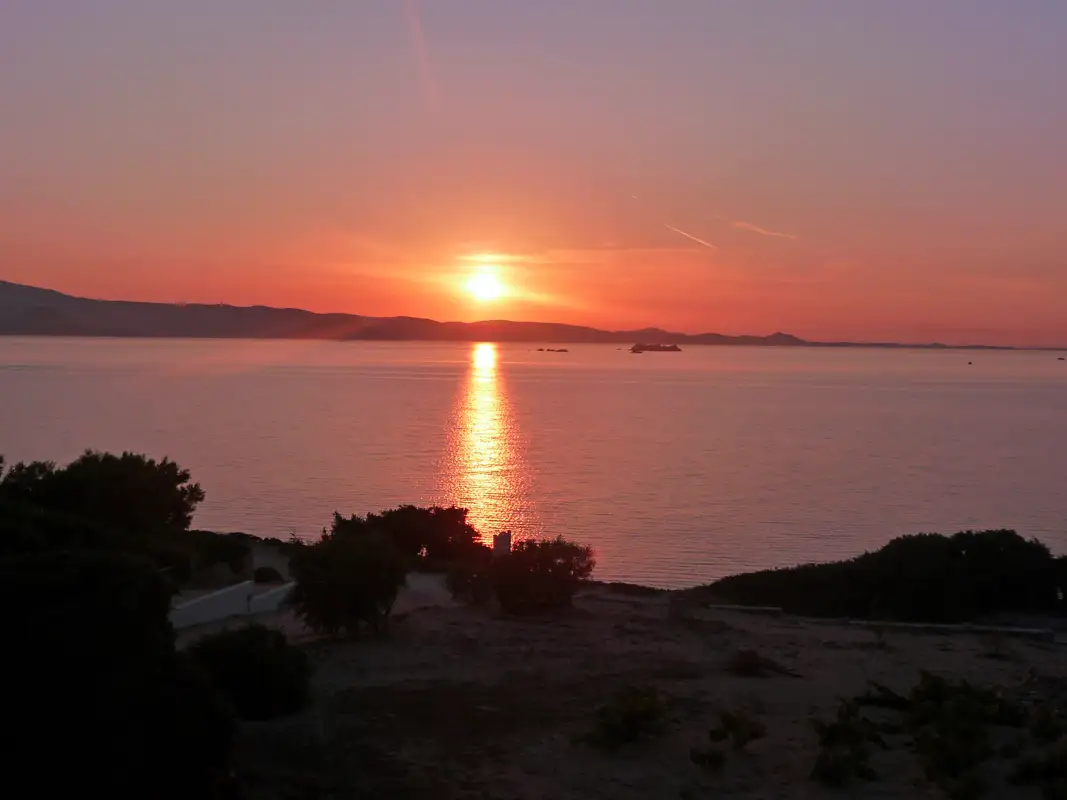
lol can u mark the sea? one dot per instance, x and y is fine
(677, 468)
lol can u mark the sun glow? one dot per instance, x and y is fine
(485, 286)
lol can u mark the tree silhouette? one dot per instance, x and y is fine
(130, 494)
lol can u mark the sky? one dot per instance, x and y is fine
(875, 170)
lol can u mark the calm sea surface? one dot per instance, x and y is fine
(677, 467)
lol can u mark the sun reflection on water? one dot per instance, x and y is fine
(483, 469)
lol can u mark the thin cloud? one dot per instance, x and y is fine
(753, 228)
(422, 55)
(506, 258)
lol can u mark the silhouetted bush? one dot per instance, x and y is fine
(927, 577)
(844, 747)
(90, 659)
(128, 494)
(950, 724)
(1048, 769)
(541, 575)
(750, 664)
(471, 580)
(260, 673)
(635, 714)
(707, 758)
(345, 581)
(737, 727)
(209, 548)
(267, 575)
(431, 536)
(25, 529)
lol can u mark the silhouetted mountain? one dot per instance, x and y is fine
(29, 311)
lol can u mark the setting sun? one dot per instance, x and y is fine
(485, 286)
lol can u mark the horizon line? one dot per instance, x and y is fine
(801, 341)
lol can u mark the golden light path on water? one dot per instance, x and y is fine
(483, 470)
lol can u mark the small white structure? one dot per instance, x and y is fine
(502, 543)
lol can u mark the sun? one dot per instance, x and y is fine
(485, 287)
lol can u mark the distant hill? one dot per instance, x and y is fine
(30, 311)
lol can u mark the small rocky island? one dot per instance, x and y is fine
(655, 348)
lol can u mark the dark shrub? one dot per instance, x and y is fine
(261, 674)
(1048, 769)
(129, 494)
(739, 728)
(191, 729)
(344, 581)
(750, 664)
(541, 575)
(844, 747)
(25, 529)
(636, 713)
(433, 536)
(707, 758)
(267, 575)
(90, 649)
(27, 484)
(471, 580)
(927, 577)
(209, 548)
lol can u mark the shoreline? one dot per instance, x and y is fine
(937, 347)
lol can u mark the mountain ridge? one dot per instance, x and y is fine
(34, 311)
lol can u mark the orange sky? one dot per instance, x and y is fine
(892, 174)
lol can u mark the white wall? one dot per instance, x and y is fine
(271, 600)
(232, 601)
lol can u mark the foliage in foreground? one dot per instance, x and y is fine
(844, 747)
(926, 577)
(736, 727)
(751, 664)
(130, 493)
(267, 575)
(345, 582)
(633, 715)
(471, 580)
(91, 652)
(541, 575)
(951, 726)
(433, 536)
(122, 504)
(259, 672)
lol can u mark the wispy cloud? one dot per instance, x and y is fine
(506, 258)
(696, 239)
(422, 55)
(753, 228)
(603, 254)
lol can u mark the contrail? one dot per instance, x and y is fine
(696, 239)
(422, 55)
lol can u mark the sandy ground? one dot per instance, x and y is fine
(464, 703)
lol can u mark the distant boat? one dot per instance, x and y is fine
(655, 348)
